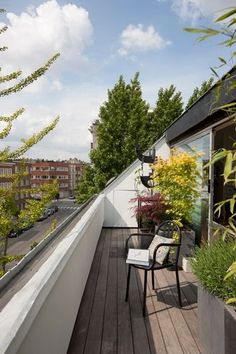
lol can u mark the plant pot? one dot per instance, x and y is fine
(217, 324)
(187, 245)
(186, 263)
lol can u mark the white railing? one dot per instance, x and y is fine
(41, 316)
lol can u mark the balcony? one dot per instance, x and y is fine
(75, 301)
(107, 324)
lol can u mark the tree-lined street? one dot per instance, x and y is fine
(22, 244)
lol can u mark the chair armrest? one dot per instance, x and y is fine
(136, 235)
(161, 245)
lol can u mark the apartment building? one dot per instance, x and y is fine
(7, 170)
(48, 171)
(76, 170)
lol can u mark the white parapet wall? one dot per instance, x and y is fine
(118, 209)
(40, 317)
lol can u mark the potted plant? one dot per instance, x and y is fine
(150, 210)
(177, 179)
(217, 320)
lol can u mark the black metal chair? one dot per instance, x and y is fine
(166, 229)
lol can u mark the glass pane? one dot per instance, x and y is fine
(200, 213)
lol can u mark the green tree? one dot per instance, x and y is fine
(123, 124)
(199, 91)
(169, 106)
(86, 186)
(8, 210)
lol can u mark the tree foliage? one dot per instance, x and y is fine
(10, 216)
(86, 186)
(199, 91)
(169, 106)
(126, 122)
(123, 124)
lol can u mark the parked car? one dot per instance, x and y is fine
(15, 233)
(43, 216)
(55, 208)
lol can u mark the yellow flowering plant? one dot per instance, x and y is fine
(177, 180)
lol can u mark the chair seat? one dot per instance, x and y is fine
(155, 267)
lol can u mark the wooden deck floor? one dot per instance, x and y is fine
(107, 324)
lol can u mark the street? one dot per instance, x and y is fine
(22, 244)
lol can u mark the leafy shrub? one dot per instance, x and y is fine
(151, 208)
(177, 180)
(34, 244)
(210, 265)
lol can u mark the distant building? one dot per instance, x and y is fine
(47, 171)
(76, 169)
(7, 170)
(24, 184)
(93, 130)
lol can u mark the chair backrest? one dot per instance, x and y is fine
(170, 229)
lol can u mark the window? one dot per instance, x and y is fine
(4, 171)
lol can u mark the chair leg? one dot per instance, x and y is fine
(144, 293)
(127, 285)
(153, 281)
(178, 286)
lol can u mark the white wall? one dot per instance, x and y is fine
(40, 317)
(118, 212)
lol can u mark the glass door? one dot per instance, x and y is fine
(200, 216)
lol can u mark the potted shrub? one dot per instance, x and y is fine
(150, 210)
(217, 320)
(177, 179)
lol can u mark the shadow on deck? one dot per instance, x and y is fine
(107, 324)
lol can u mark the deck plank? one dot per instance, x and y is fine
(188, 311)
(156, 341)
(125, 340)
(106, 324)
(95, 330)
(183, 332)
(79, 335)
(109, 338)
(140, 337)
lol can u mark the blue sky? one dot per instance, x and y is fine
(99, 40)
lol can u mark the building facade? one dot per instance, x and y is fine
(7, 172)
(93, 130)
(48, 171)
(76, 169)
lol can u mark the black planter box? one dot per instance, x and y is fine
(217, 324)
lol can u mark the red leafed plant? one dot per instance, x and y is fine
(150, 208)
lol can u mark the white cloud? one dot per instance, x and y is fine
(78, 107)
(40, 32)
(137, 39)
(194, 9)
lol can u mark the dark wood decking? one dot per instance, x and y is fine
(107, 324)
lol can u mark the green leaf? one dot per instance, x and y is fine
(232, 203)
(229, 42)
(231, 300)
(214, 72)
(226, 15)
(232, 22)
(218, 156)
(228, 164)
(207, 31)
(222, 60)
